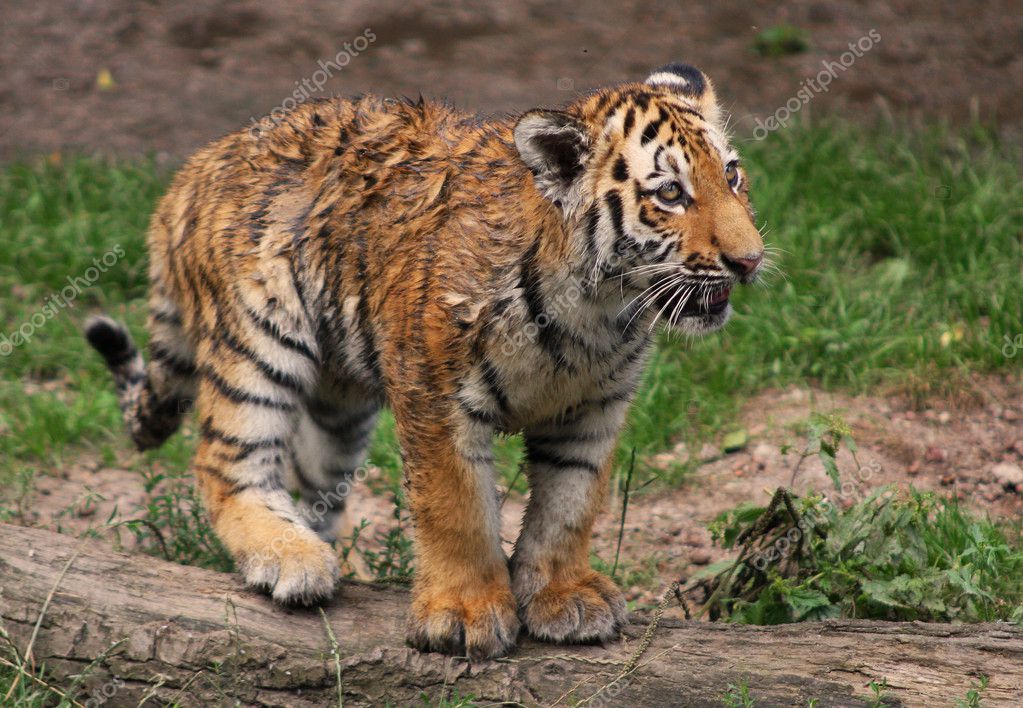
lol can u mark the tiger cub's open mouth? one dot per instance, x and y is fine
(693, 301)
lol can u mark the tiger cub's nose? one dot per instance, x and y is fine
(744, 266)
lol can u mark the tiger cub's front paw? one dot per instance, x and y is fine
(586, 607)
(299, 570)
(481, 623)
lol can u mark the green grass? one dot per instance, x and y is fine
(900, 251)
(781, 40)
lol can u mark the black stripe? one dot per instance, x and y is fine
(477, 415)
(548, 331)
(650, 132)
(621, 170)
(362, 309)
(352, 428)
(592, 221)
(167, 359)
(553, 459)
(270, 483)
(630, 120)
(630, 358)
(643, 217)
(342, 473)
(286, 341)
(564, 438)
(479, 459)
(133, 378)
(493, 382)
(614, 207)
(662, 254)
(208, 432)
(273, 374)
(171, 318)
(237, 395)
(303, 481)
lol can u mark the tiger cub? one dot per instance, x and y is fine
(477, 276)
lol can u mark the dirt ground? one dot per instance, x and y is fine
(129, 77)
(973, 448)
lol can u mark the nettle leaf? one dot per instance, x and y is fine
(713, 569)
(827, 458)
(963, 579)
(809, 604)
(727, 526)
(850, 443)
(886, 592)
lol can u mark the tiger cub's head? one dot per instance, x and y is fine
(653, 193)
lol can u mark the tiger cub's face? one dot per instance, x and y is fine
(654, 191)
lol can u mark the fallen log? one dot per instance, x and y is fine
(141, 629)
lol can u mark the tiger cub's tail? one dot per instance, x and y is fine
(153, 398)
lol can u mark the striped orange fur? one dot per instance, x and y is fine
(478, 276)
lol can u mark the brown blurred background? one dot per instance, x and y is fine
(132, 76)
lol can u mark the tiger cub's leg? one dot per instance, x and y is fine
(461, 600)
(568, 465)
(331, 442)
(251, 386)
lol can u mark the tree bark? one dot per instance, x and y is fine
(178, 634)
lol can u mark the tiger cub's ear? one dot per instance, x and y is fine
(691, 84)
(555, 147)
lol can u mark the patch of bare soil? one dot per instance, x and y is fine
(127, 77)
(973, 449)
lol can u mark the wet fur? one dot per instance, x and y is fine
(478, 276)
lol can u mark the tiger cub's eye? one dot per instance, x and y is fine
(732, 174)
(670, 193)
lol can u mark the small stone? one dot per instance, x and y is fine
(695, 538)
(989, 492)
(663, 461)
(708, 452)
(681, 450)
(735, 441)
(944, 417)
(914, 468)
(947, 480)
(762, 453)
(84, 509)
(700, 556)
(1008, 475)
(935, 454)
